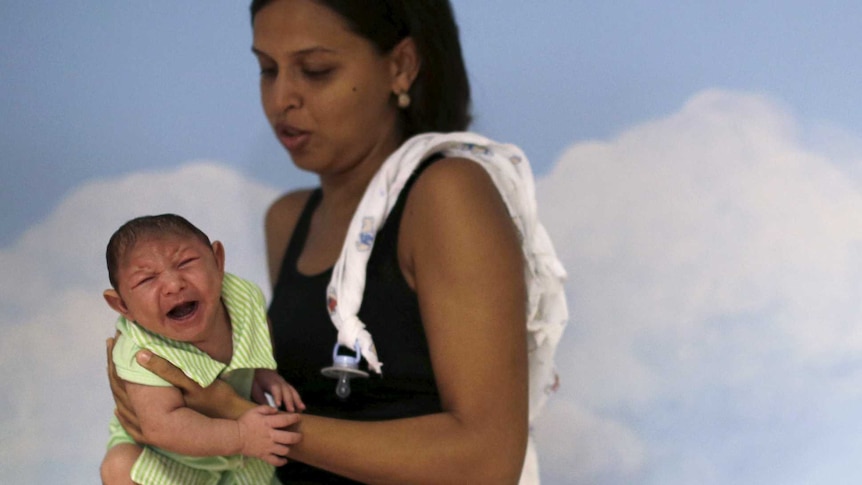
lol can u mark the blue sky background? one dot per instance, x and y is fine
(93, 89)
(698, 165)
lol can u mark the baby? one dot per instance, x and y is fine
(175, 299)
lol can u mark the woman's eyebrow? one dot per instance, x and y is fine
(299, 53)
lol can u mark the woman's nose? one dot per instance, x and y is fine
(285, 93)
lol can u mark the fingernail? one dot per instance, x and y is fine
(143, 357)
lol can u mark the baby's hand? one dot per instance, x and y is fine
(263, 435)
(269, 381)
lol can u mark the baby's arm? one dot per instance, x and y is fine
(269, 381)
(167, 423)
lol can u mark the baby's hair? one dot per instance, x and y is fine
(142, 227)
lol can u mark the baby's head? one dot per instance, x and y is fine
(147, 228)
(166, 276)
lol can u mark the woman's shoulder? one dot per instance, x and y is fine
(279, 223)
(283, 214)
(454, 198)
(287, 206)
(451, 182)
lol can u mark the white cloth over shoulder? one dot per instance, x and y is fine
(547, 313)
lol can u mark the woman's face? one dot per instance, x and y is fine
(326, 91)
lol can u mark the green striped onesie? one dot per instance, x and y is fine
(252, 349)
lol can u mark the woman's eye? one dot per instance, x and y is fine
(316, 74)
(268, 71)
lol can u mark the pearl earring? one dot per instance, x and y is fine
(403, 100)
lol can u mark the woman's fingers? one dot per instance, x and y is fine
(279, 398)
(294, 396)
(166, 371)
(257, 393)
(129, 422)
(217, 400)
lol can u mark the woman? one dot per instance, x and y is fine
(344, 84)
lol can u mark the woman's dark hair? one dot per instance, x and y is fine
(142, 227)
(440, 95)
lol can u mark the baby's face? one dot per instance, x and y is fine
(171, 286)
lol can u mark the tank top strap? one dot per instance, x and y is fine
(398, 208)
(300, 232)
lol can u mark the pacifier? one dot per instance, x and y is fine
(344, 368)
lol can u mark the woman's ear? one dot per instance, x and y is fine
(116, 302)
(404, 65)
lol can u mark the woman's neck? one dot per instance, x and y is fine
(342, 191)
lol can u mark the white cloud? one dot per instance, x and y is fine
(577, 446)
(715, 268)
(714, 265)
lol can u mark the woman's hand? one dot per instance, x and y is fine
(269, 381)
(218, 400)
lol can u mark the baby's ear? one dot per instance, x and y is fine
(116, 302)
(218, 252)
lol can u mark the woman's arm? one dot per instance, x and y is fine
(218, 400)
(459, 250)
(167, 423)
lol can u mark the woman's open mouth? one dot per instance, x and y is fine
(292, 138)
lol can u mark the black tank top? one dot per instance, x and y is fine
(304, 336)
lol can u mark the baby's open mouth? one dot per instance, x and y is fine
(183, 310)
